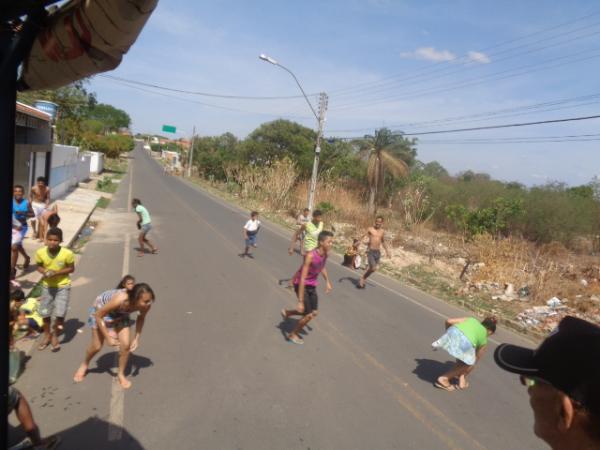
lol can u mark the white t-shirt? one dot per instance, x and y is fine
(252, 225)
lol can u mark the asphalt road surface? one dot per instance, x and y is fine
(214, 371)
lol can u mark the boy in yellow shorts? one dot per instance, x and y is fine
(55, 263)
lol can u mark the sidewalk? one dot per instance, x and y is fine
(74, 210)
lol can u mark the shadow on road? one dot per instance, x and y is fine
(352, 280)
(286, 327)
(91, 434)
(429, 370)
(71, 327)
(108, 363)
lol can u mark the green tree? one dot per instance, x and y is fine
(112, 118)
(385, 152)
(275, 140)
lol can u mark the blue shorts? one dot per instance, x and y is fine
(251, 241)
(146, 228)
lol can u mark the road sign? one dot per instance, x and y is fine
(169, 129)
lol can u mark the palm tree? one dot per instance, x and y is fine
(385, 152)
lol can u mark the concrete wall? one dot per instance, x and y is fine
(63, 169)
(96, 162)
(83, 167)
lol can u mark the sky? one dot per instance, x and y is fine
(412, 66)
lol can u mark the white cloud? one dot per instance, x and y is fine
(478, 57)
(430, 54)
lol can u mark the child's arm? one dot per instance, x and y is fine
(326, 276)
(139, 325)
(450, 322)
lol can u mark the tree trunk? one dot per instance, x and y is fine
(372, 195)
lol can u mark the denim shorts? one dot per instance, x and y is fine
(146, 228)
(251, 240)
(14, 397)
(54, 301)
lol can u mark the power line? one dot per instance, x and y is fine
(471, 82)
(504, 113)
(204, 94)
(210, 105)
(491, 127)
(446, 71)
(457, 59)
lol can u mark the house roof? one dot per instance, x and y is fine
(34, 112)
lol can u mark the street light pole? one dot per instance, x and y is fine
(323, 99)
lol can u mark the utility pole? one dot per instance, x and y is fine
(323, 100)
(191, 158)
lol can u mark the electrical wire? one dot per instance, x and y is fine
(489, 127)
(204, 94)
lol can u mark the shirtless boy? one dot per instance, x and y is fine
(376, 241)
(39, 197)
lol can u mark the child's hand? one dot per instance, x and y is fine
(328, 288)
(49, 274)
(134, 344)
(300, 307)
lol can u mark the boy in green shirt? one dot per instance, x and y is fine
(55, 263)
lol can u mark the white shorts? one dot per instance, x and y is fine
(17, 237)
(38, 209)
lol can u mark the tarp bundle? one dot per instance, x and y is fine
(82, 38)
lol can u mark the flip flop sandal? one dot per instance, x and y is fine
(466, 386)
(295, 340)
(448, 388)
(43, 345)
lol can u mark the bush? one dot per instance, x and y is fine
(325, 207)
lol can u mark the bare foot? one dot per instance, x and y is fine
(462, 382)
(124, 382)
(81, 373)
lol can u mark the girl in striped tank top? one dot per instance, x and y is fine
(109, 320)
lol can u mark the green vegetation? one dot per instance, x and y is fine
(85, 122)
(103, 202)
(106, 185)
(381, 171)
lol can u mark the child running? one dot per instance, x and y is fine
(109, 320)
(250, 231)
(144, 224)
(56, 263)
(305, 284)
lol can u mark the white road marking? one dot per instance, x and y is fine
(117, 393)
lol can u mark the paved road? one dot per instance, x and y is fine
(213, 370)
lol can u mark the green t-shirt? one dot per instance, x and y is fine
(474, 331)
(312, 235)
(144, 213)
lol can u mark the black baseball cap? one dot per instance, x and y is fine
(568, 359)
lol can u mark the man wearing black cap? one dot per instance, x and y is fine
(563, 377)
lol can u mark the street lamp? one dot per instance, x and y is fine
(320, 122)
